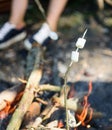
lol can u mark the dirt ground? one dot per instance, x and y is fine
(95, 62)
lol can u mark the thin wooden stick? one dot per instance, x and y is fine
(48, 87)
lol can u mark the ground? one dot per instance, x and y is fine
(94, 64)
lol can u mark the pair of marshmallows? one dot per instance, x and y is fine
(79, 44)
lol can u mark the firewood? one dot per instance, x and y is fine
(73, 104)
(28, 96)
(31, 114)
(44, 115)
(50, 108)
(10, 94)
(48, 87)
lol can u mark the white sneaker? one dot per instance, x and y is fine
(10, 35)
(42, 37)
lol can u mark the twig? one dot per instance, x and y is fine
(41, 9)
(48, 87)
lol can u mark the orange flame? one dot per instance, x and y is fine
(82, 117)
(60, 124)
(10, 106)
(5, 111)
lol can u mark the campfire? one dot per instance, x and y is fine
(53, 114)
(33, 105)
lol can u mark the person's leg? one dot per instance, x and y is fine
(47, 31)
(55, 9)
(14, 29)
(18, 10)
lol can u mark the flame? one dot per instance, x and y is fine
(10, 106)
(86, 107)
(4, 112)
(60, 124)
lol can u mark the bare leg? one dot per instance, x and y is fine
(18, 11)
(55, 9)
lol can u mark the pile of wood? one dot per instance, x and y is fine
(30, 111)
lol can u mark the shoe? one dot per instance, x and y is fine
(10, 35)
(43, 36)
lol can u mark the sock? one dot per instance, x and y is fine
(42, 34)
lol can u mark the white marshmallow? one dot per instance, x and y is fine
(75, 56)
(80, 43)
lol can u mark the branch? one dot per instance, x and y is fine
(28, 96)
(108, 2)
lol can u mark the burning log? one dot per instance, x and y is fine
(28, 96)
(73, 105)
(59, 101)
(10, 94)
